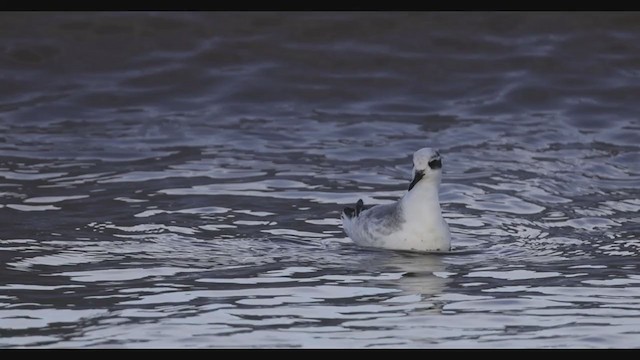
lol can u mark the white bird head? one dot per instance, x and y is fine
(427, 166)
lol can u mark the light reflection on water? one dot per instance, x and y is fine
(184, 190)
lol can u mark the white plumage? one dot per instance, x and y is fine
(414, 222)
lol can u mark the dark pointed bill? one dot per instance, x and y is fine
(416, 177)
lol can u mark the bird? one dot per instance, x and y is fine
(414, 222)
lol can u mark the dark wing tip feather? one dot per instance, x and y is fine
(349, 212)
(359, 207)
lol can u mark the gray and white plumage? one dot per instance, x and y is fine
(414, 222)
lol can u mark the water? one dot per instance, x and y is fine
(175, 179)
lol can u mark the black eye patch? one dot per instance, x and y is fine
(435, 164)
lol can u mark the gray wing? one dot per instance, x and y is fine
(381, 219)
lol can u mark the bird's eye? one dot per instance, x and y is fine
(435, 164)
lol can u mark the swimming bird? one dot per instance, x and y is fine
(414, 222)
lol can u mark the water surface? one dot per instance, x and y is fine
(175, 179)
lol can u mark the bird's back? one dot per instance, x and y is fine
(387, 226)
(372, 226)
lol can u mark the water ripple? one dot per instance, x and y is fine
(176, 179)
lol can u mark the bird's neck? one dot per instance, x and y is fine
(423, 197)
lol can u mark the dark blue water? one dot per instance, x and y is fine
(175, 179)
